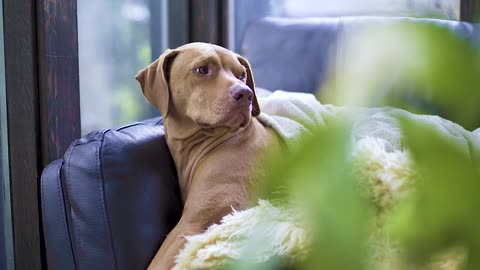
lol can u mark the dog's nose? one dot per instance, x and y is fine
(241, 94)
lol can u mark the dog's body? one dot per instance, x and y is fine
(206, 95)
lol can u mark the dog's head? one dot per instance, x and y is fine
(209, 85)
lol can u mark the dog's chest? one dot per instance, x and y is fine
(239, 159)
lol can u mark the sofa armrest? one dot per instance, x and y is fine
(112, 199)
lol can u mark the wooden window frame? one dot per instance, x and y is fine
(43, 109)
(23, 130)
(198, 20)
(470, 10)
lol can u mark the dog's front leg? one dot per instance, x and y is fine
(165, 257)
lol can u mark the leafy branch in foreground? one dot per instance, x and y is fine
(437, 221)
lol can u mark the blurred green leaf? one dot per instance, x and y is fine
(422, 68)
(318, 179)
(442, 212)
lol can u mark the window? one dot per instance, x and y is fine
(247, 10)
(445, 9)
(119, 37)
(114, 44)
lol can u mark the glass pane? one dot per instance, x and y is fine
(247, 10)
(6, 241)
(114, 44)
(445, 9)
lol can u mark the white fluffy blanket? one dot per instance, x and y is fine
(379, 161)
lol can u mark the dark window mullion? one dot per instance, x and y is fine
(23, 130)
(58, 76)
(178, 22)
(205, 21)
(227, 23)
(158, 27)
(469, 10)
(196, 20)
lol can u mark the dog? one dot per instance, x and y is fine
(206, 95)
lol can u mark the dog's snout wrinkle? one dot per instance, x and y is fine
(241, 94)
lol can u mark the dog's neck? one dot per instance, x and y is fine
(189, 143)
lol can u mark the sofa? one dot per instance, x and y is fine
(113, 197)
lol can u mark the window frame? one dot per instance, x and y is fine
(199, 20)
(43, 112)
(23, 130)
(469, 10)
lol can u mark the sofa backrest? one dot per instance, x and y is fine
(296, 54)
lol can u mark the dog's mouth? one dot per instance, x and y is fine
(235, 118)
(204, 124)
(238, 120)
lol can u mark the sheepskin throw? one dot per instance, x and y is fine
(379, 161)
(283, 232)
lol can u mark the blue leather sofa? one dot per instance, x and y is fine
(113, 197)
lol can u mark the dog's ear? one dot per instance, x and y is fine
(154, 80)
(251, 84)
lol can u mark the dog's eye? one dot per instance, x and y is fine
(243, 76)
(201, 70)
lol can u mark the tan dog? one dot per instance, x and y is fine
(206, 95)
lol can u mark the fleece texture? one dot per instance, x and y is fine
(281, 229)
(380, 161)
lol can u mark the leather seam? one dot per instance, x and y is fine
(42, 191)
(59, 199)
(62, 209)
(131, 125)
(76, 230)
(103, 201)
(159, 122)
